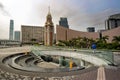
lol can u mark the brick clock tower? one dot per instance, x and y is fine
(48, 30)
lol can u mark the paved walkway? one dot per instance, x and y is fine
(87, 74)
(117, 58)
(88, 58)
(101, 74)
(47, 65)
(14, 50)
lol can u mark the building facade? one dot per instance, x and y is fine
(11, 30)
(112, 22)
(111, 33)
(32, 34)
(17, 35)
(90, 29)
(49, 31)
(63, 22)
(68, 34)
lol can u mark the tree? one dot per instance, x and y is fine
(116, 39)
(105, 38)
(102, 39)
(33, 40)
(90, 42)
(102, 42)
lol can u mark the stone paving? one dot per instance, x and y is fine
(86, 74)
(47, 65)
(117, 58)
(12, 76)
(14, 50)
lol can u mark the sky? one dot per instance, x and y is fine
(80, 13)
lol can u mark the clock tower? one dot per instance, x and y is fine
(48, 30)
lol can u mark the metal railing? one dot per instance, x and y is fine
(105, 55)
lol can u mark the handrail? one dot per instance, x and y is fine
(36, 52)
(106, 56)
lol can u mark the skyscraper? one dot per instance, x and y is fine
(91, 29)
(48, 30)
(112, 22)
(17, 36)
(63, 22)
(11, 29)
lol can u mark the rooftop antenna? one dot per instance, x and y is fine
(49, 8)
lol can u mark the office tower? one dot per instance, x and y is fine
(112, 22)
(90, 29)
(17, 36)
(32, 33)
(48, 30)
(11, 30)
(63, 22)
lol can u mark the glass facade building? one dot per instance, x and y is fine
(112, 22)
(17, 36)
(91, 29)
(63, 22)
(11, 30)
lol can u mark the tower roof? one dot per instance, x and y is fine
(115, 16)
(49, 14)
(49, 18)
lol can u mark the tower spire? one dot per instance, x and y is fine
(48, 9)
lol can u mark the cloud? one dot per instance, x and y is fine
(4, 27)
(97, 20)
(80, 13)
(4, 20)
(79, 17)
(2, 9)
(1, 5)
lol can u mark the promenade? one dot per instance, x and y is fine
(92, 73)
(90, 58)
